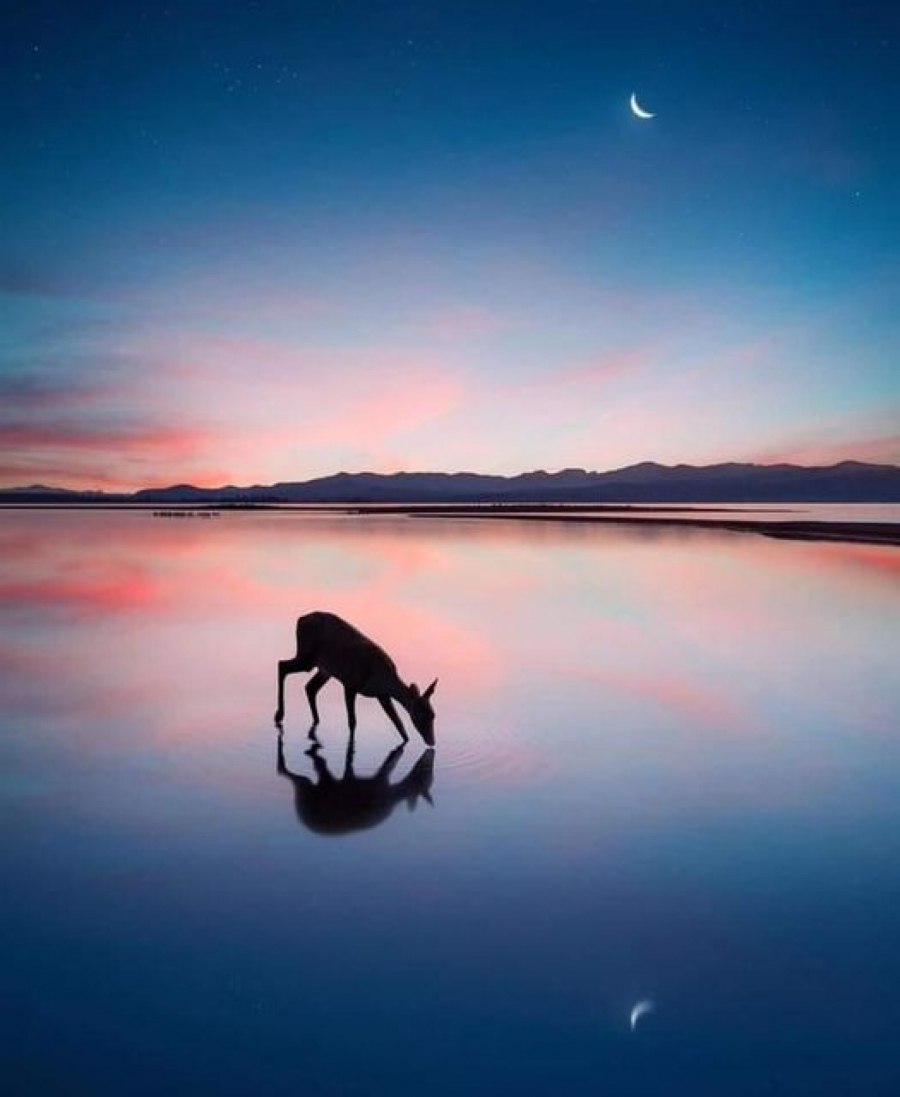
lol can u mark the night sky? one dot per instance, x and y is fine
(249, 242)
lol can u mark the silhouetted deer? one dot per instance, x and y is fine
(337, 650)
(338, 806)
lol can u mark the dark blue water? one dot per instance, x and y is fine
(667, 768)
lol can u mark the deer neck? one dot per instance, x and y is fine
(401, 693)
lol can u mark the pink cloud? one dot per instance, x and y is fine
(214, 406)
(275, 410)
(380, 407)
(604, 367)
(877, 448)
(109, 456)
(68, 436)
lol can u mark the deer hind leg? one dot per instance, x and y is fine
(285, 667)
(307, 646)
(312, 690)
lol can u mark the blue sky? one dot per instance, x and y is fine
(250, 242)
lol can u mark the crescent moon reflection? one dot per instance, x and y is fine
(643, 1007)
(638, 109)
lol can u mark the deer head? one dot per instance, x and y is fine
(420, 711)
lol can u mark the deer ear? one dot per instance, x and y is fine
(428, 692)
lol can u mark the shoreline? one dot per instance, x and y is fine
(863, 533)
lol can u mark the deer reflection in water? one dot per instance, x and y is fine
(332, 805)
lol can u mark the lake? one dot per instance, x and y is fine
(667, 770)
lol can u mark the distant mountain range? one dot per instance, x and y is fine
(648, 482)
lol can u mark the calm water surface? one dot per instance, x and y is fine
(668, 768)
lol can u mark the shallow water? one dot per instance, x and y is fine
(667, 768)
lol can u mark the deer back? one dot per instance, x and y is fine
(342, 651)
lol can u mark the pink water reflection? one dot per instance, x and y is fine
(620, 646)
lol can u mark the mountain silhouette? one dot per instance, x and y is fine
(647, 482)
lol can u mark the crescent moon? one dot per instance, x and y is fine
(643, 1007)
(638, 109)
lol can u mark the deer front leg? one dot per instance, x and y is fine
(388, 705)
(350, 699)
(285, 667)
(312, 689)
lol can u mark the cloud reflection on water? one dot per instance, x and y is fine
(172, 629)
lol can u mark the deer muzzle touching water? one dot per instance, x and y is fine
(333, 648)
